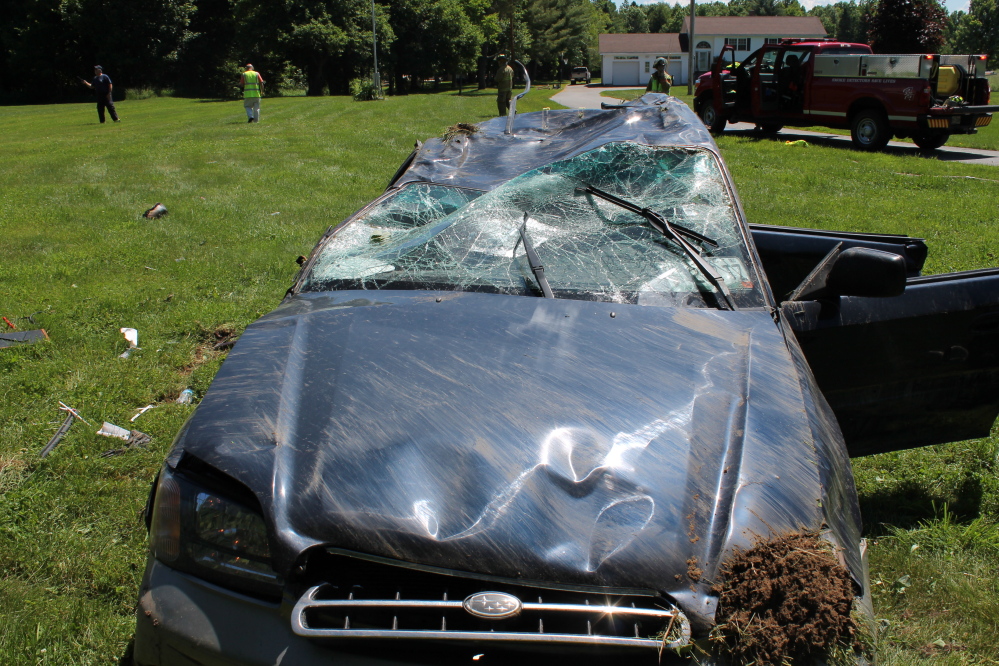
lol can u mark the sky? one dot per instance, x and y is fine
(950, 5)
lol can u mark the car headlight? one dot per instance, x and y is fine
(212, 536)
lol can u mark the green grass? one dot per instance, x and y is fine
(987, 138)
(244, 201)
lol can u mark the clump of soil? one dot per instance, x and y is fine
(785, 600)
(458, 129)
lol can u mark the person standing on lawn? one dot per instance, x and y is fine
(253, 88)
(504, 84)
(102, 86)
(660, 81)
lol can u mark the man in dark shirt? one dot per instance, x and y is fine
(102, 86)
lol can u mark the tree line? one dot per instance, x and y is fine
(198, 47)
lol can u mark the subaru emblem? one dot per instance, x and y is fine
(493, 605)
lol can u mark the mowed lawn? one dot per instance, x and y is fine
(245, 200)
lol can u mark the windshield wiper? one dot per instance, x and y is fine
(532, 259)
(675, 233)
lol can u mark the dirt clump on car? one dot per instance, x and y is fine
(786, 600)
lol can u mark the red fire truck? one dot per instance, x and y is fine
(802, 83)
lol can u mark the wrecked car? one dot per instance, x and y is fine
(534, 397)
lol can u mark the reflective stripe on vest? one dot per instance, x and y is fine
(251, 84)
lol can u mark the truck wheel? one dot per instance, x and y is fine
(711, 119)
(870, 130)
(769, 128)
(930, 141)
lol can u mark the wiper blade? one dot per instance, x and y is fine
(532, 259)
(648, 214)
(675, 233)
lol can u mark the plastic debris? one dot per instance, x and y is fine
(142, 410)
(156, 212)
(57, 437)
(133, 437)
(132, 336)
(111, 430)
(15, 338)
(800, 142)
(12, 327)
(185, 397)
(66, 408)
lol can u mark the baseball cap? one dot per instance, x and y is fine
(98, 67)
(502, 56)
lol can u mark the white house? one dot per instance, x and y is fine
(627, 58)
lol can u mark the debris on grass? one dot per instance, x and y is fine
(185, 397)
(59, 434)
(11, 325)
(140, 412)
(786, 600)
(157, 211)
(132, 337)
(133, 437)
(15, 338)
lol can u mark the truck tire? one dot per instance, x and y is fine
(711, 119)
(869, 130)
(769, 128)
(930, 141)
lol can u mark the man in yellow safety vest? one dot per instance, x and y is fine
(253, 88)
(661, 81)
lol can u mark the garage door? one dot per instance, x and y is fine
(626, 73)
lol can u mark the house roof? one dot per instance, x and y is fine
(770, 26)
(662, 42)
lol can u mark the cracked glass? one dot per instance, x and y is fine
(436, 237)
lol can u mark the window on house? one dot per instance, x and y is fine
(740, 43)
(773, 40)
(706, 45)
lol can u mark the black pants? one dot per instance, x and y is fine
(105, 102)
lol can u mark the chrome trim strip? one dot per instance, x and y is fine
(483, 636)
(907, 118)
(837, 114)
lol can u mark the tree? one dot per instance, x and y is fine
(50, 42)
(979, 31)
(558, 28)
(635, 21)
(907, 26)
(435, 37)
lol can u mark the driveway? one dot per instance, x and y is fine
(588, 97)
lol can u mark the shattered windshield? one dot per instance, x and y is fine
(435, 237)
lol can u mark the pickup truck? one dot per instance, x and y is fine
(581, 74)
(803, 83)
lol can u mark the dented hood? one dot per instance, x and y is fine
(552, 440)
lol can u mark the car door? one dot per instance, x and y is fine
(789, 254)
(911, 370)
(765, 84)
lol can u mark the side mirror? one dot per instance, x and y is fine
(858, 271)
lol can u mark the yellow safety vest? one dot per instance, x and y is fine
(251, 84)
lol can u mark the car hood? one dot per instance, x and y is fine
(584, 443)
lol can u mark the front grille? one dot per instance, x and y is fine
(377, 600)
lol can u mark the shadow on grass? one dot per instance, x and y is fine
(906, 505)
(843, 142)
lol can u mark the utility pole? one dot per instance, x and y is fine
(690, 50)
(376, 78)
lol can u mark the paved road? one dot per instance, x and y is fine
(588, 97)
